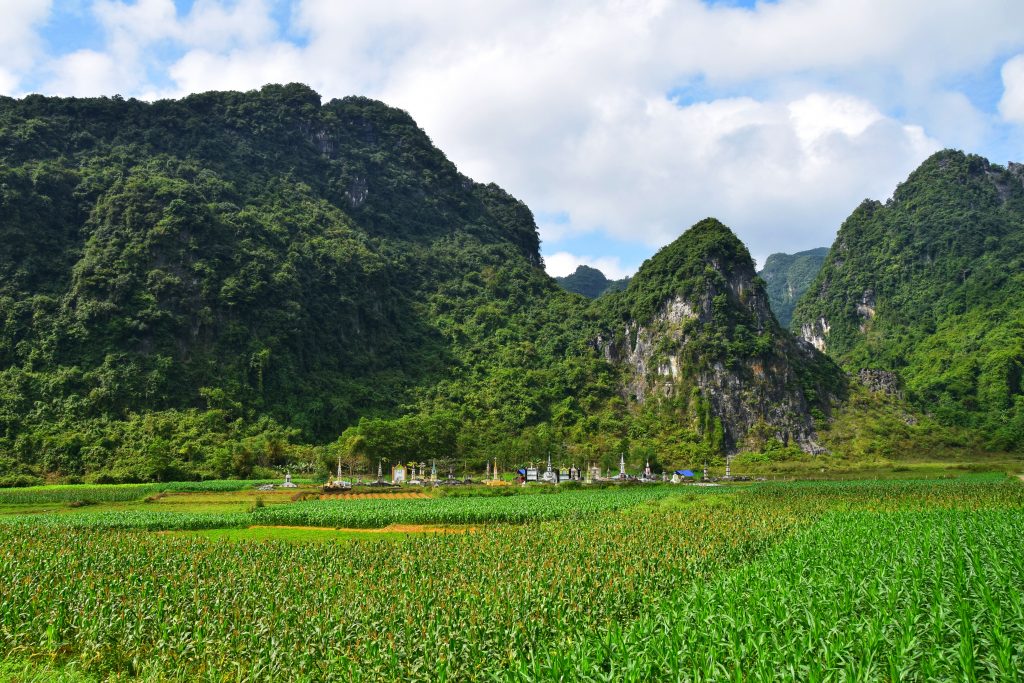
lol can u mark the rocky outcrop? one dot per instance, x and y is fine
(881, 382)
(815, 333)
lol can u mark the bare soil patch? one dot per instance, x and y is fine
(356, 496)
(392, 528)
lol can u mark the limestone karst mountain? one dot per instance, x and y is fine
(207, 286)
(695, 331)
(928, 286)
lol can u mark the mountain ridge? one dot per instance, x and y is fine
(928, 286)
(590, 282)
(232, 282)
(787, 277)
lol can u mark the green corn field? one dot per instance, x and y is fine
(873, 581)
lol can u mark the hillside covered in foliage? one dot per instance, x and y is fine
(590, 282)
(702, 349)
(930, 286)
(787, 277)
(234, 282)
(190, 287)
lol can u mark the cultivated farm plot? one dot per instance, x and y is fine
(908, 580)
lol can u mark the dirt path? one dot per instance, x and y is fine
(356, 496)
(393, 528)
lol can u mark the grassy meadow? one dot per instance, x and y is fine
(901, 579)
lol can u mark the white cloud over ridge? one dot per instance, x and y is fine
(633, 118)
(1011, 106)
(562, 263)
(20, 45)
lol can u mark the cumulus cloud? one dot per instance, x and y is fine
(1011, 106)
(20, 45)
(202, 70)
(90, 73)
(782, 174)
(631, 118)
(212, 33)
(563, 263)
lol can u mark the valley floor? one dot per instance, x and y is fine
(909, 579)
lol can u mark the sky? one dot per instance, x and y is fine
(620, 123)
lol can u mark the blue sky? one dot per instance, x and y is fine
(620, 123)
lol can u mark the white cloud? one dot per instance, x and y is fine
(917, 39)
(201, 70)
(229, 46)
(19, 40)
(212, 25)
(1011, 106)
(89, 73)
(766, 169)
(634, 118)
(563, 263)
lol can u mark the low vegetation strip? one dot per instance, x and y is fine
(118, 493)
(367, 513)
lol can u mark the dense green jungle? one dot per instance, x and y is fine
(928, 286)
(232, 284)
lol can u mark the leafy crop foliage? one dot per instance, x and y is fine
(940, 266)
(913, 580)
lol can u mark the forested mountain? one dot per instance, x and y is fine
(233, 281)
(189, 286)
(930, 286)
(787, 277)
(698, 341)
(590, 282)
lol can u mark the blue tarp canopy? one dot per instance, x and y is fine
(522, 472)
(685, 473)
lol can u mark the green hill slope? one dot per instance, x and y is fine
(787, 277)
(229, 282)
(929, 286)
(590, 282)
(191, 285)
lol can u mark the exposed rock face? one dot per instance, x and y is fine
(715, 332)
(881, 381)
(815, 333)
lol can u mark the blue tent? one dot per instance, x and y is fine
(685, 473)
(522, 472)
